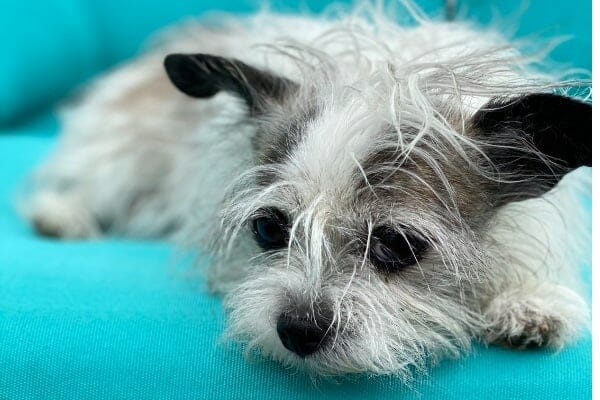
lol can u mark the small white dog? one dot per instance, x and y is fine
(376, 196)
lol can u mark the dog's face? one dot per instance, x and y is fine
(369, 218)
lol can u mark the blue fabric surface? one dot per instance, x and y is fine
(122, 319)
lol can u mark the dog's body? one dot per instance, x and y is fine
(363, 158)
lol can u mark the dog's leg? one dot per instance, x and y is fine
(111, 160)
(539, 248)
(544, 315)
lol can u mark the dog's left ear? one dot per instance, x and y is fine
(533, 141)
(204, 75)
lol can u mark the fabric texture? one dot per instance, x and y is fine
(124, 319)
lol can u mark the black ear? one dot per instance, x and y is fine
(204, 75)
(534, 140)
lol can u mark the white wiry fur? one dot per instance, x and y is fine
(139, 158)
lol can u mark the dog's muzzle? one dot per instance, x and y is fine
(304, 331)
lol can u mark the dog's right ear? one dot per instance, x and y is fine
(204, 75)
(533, 141)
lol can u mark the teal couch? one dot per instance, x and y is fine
(123, 319)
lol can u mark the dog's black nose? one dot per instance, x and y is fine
(304, 332)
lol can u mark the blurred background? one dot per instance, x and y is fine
(123, 319)
(49, 47)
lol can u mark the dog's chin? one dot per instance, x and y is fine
(320, 364)
(342, 357)
(268, 346)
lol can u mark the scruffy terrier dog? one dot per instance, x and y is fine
(376, 196)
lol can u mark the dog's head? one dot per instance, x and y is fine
(368, 205)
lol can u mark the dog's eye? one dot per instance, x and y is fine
(270, 230)
(390, 251)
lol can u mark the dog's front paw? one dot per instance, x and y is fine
(526, 328)
(61, 216)
(549, 315)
